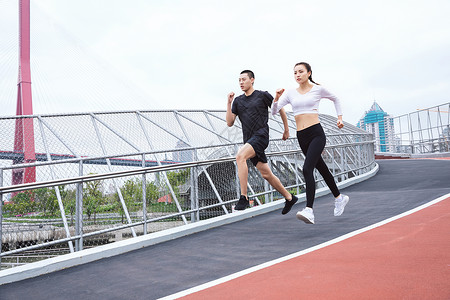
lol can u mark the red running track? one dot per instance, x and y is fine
(408, 258)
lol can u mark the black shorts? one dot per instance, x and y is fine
(259, 144)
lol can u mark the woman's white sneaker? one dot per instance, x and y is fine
(339, 205)
(306, 215)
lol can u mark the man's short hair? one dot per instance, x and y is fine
(249, 73)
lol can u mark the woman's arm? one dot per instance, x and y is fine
(285, 123)
(337, 105)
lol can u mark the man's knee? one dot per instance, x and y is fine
(266, 175)
(246, 152)
(240, 157)
(265, 171)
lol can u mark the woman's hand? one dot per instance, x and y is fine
(340, 123)
(278, 94)
(285, 135)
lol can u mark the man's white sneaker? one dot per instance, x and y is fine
(339, 205)
(306, 215)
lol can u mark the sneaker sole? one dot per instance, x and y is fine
(343, 208)
(304, 219)
(241, 208)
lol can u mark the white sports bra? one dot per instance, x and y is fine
(307, 103)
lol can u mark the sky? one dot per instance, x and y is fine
(96, 55)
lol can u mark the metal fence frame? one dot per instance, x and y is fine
(364, 163)
(423, 131)
(349, 153)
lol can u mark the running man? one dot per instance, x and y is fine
(252, 109)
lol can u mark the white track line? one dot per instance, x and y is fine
(297, 254)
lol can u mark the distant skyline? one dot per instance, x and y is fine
(116, 55)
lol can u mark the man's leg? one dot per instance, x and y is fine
(273, 180)
(245, 152)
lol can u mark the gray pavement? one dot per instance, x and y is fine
(169, 267)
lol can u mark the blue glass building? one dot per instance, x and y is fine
(381, 125)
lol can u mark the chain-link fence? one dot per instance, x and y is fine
(101, 177)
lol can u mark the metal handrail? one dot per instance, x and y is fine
(145, 170)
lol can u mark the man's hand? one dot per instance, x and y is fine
(278, 94)
(230, 97)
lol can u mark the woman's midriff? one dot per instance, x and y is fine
(306, 120)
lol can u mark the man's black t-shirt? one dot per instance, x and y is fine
(253, 113)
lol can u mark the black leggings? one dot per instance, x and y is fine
(312, 142)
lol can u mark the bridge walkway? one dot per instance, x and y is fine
(174, 266)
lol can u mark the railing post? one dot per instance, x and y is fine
(238, 188)
(411, 136)
(79, 211)
(334, 163)
(1, 216)
(359, 152)
(342, 162)
(295, 174)
(192, 195)
(267, 188)
(195, 205)
(144, 196)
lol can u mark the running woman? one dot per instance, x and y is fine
(252, 109)
(305, 104)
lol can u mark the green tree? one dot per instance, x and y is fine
(69, 201)
(93, 198)
(178, 178)
(151, 192)
(46, 201)
(41, 198)
(8, 209)
(131, 192)
(132, 189)
(23, 203)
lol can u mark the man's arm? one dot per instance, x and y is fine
(283, 116)
(230, 116)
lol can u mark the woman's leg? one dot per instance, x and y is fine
(322, 167)
(312, 152)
